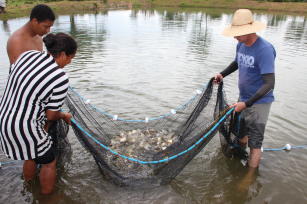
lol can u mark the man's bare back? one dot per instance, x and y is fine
(23, 40)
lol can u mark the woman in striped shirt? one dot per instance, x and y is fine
(35, 91)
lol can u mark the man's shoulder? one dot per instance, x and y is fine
(265, 46)
(18, 39)
(17, 36)
(21, 41)
(20, 32)
(262, 43)
(21, 35)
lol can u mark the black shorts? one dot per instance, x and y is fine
(48, 157)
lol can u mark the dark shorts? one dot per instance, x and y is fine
(252, 124)
(48, 157)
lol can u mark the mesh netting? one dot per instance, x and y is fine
(150, 151)
(58, 131)
(229, 131)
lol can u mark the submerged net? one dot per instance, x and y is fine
(229, 131)
(63, 152)
(150, 151)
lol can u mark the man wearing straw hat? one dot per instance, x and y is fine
(255, 61)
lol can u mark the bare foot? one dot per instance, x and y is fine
(247, 180)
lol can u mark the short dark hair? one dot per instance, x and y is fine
(60, 42)
(42, 12)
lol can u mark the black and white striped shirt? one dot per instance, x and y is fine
(35, 84)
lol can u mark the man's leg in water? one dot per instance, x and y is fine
(256, 118)
(254, 158)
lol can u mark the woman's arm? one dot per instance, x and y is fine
(56, 115)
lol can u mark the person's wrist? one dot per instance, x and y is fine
(248, 104)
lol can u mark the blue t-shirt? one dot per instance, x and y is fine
(253, 62)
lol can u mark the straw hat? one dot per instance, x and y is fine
(243, 24)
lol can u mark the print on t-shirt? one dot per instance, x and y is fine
(246, 60)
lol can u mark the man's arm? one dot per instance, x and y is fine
(231, 68)
(267, 87)
(18, 44)
(14, 49)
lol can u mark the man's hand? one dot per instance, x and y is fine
(240, 106)
(218, 78)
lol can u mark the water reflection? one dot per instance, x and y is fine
(276, 20)
(174, 20)
(200, 37)
(88, 39)
(296, 29)
(219, 180)
(141, 12)
(6, 27)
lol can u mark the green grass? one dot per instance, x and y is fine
(20, 8)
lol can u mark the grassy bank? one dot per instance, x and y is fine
(17, 9)
(235, 4)
(20, 8)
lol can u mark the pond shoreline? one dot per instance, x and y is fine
(22, 9)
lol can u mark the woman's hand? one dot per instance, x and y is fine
(57, 115)
(67, 117)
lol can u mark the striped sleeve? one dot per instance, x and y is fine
(58, 94)
(23, 57)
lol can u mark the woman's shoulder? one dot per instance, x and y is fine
(27, 55)
(29, 52)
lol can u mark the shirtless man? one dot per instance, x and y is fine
(29, 36)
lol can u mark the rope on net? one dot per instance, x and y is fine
(115, 117)
(286, 147)
(162, 160)
(2, 163)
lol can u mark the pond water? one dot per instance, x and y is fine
(141, 63)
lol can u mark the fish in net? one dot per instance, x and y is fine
(151, 151)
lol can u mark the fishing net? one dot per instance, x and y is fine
(229, 130)
(153, 150)
(63, 152)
